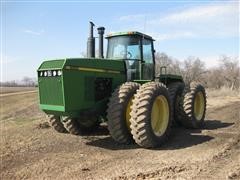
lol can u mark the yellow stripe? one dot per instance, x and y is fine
(92, 69)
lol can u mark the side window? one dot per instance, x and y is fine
(148, 66)
(147, 51)
(118, 51)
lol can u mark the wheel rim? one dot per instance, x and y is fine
(128, 110)
(199, 106)
(160, 115)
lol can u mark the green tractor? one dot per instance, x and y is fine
(78, 94)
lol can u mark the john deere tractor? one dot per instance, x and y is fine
(122, 89)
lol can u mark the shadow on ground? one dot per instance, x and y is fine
(181, 137)
(215, 124)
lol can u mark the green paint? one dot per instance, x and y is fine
(169, 78)
(52, 107)
(74, 90)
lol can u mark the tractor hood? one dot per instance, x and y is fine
(91, 65)
(76, 84)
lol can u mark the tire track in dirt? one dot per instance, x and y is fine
(225, 164)
(228, 158)
(210, 153)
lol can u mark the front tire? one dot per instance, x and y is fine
(118, 113)
(56, 124)
(151, 115)
(71, 125)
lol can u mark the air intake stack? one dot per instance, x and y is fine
(101, 33)
(91, 42)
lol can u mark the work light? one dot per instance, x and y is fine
(54, 73)
(59, 73)
(49, 73)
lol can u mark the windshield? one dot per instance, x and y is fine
(124, 47)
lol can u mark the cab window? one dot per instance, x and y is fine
(148, 65)
(127, 48)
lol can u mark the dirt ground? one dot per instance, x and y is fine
(29, 149)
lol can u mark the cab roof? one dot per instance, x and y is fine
(129, 33)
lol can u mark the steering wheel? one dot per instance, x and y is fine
(127, 55)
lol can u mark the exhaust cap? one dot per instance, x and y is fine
(91, 42)
(101, 33)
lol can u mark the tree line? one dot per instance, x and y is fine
(25, 82)
(226, 74)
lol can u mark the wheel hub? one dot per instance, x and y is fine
(199, 106)
(127, 115)
(160, 115)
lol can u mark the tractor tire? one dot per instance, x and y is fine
(56, 124)
(88, 124)
(176, 91)
(151, 115)
(193, 106)
(118, 113)
(71, 125)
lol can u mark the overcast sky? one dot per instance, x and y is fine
(37, 31)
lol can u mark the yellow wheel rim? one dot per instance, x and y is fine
(160, 115)
(128, 110)
(199, 106)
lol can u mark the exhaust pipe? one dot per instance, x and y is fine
(91, 42)
(101, 33)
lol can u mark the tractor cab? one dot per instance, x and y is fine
(136, 49)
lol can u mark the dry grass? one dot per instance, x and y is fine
(4, 90)
(19, 106)
(223, 92)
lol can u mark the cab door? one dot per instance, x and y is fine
(148, 67)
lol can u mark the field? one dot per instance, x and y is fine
(5, 90)
(30, 149)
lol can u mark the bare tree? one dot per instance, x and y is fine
(173, 65)
(213, 78)
(229, 67)
(27, 81)
(193, 69)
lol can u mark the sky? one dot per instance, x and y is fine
(32, 32)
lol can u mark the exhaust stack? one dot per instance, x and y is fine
(101, 33)
(91, 42)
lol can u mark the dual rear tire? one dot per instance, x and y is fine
(145, 113)
(151, 115)
(140, 113)
(118, 113)
(188, 103)
(193, 106)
